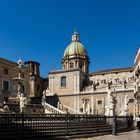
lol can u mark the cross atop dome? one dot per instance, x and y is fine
(75, 36)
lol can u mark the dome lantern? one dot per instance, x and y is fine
(75, 36)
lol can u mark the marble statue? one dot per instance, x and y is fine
(19, 63)
(109, 82)
(58, 105)
(84, 106)
(93, 86)
(6, 108)
(126, 101)
(124, 108)
(107, 110)
(88, 107)
(109, 105)
(23, 103)
(123, 82)
(44, 98)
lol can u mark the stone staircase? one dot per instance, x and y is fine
(52, 110)
(63, 109)
(70, 110)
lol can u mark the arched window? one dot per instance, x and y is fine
(99, 102)
(63, 81)
(5, 71)
(81, 67)
(5, 86)
(71, 65)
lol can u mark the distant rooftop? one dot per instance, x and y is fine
(9, 61)
(108, 71)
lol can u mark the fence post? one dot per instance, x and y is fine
(67, 119)
(22, 119)
(114, 125)
(97, 129)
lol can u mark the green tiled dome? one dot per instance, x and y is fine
(74, 48)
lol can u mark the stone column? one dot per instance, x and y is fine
(76, 82)
(51, 86)
(88, 107)
(84, 106)
(85, 67)
(78, 103)
(108, 97)
(134, 113)
(92, 104)
(110, 104)
(35, 69)
(126, 100)
(74, 101)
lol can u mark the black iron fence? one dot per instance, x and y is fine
(54, 125)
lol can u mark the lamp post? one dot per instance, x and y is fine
(114, 123)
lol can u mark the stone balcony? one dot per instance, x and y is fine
(105, 88)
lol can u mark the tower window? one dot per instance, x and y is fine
(76, 64)
(71, 65)
(63, 81)
(80, 66)
(5, 71)
(99, 102)
(131, 100)
(5, 86)
(22, 76)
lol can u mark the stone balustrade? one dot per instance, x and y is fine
(104, 87)
(51, 109)
(70, 110)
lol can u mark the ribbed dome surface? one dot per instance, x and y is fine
(74, 48)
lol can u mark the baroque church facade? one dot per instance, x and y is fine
(90, 93)
(74, 87)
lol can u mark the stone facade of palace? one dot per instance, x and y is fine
(32, 86)
(74, 87)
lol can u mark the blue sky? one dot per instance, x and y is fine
(40, 30)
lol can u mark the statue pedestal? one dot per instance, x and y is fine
(109, 112)
(124, 112)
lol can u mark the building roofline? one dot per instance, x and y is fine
(9, 61)
(136, 54)
(26, 62)
(65, 70)
(116, 70)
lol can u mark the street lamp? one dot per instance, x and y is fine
(114, 123)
